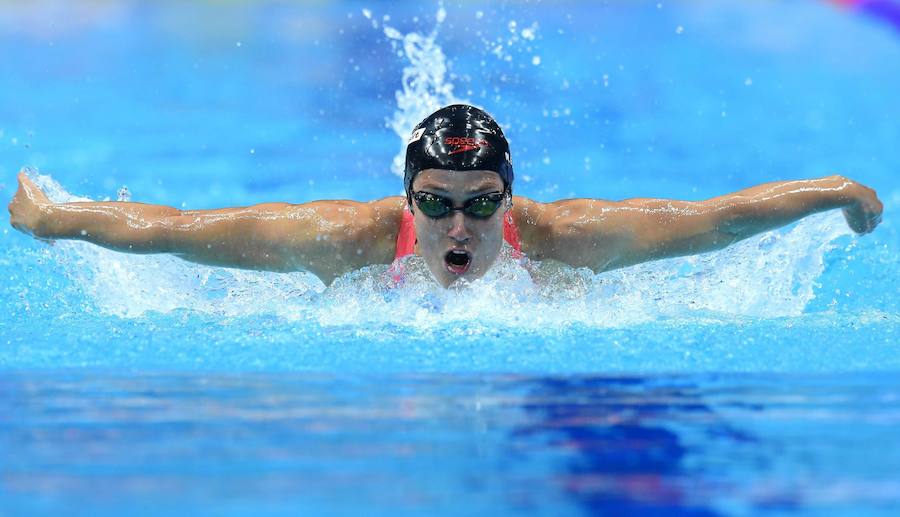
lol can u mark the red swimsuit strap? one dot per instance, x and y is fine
(406, 239)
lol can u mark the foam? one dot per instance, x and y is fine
(771, 275)
(425, 87)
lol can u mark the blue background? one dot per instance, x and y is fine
(761, 378)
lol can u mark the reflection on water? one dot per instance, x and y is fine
(482, 445)
(627, 455)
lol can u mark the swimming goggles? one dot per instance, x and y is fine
(480, 207)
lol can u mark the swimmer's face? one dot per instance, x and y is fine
(458, 245)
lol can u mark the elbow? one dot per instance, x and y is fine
(157, 238)
(734, 230)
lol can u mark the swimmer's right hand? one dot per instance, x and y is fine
(28, 207)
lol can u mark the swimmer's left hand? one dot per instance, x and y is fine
(863, 209)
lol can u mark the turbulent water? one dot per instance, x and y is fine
(604, 121)
(770, 275)
(760, 379)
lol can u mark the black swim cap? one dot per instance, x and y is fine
(460, 138)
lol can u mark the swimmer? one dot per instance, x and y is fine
(458, 210)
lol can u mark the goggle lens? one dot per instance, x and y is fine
(480, 207)
(431, 205)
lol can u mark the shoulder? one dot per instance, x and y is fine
(378, 215)
(558, 229)
(383, 216)
(365, 231)
(381, 220)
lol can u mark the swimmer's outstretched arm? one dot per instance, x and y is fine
(605, 235)
(326, 238)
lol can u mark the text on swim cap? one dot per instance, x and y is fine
(463, 144)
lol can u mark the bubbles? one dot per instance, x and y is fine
(768, 276)
(368, 15)
(425, 87)
(123, 194)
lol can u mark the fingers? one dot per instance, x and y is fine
(870, 221)
(865, 210)
(862, 220)
(26, 186)
(25, 205)
(24, 180)
(29, 189)
(875, 211)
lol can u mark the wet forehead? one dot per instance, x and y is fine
(460, 183)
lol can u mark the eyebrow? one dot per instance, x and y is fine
(484, 187)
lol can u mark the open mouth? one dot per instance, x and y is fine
(458, 261)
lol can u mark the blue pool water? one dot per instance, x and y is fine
(759, 379)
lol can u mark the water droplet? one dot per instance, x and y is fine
(679, 29)
(123, 194)
(536, 60)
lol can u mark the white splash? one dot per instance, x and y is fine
(767, 276)
(425, 87)
(131, 285)
(425, 83)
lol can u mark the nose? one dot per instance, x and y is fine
(458, 230)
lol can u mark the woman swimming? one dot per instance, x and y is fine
(457, 212)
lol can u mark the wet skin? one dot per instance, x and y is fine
(330, 238)
(481, 239)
